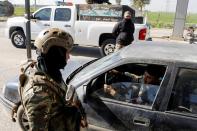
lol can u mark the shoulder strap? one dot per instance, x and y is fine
(24, 68)
(22, 80)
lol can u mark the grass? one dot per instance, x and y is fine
(19, 11)
(156, 19)
(166, 19)
(192, 18)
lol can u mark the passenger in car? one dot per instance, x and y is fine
(150, 77)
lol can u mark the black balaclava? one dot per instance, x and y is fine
(52, 62)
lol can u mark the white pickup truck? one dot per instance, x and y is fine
(89, 25)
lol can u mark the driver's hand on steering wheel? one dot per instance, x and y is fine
(109, 90)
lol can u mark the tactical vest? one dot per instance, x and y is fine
(31, 75)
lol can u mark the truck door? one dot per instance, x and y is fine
(40, 21)
(63, 20)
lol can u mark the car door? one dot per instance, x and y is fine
(41, 20)
(180, 111)
(64, 19)
(110, 113)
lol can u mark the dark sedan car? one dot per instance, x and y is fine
(169, 104)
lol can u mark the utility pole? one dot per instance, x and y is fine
(34, 5)
(118, 2)
(180, 18)
(28, 29)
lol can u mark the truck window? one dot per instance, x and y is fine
(139, 20)
(62, 14)
(43, 14)
(99, 13)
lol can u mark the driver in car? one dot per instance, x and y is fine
(150, 76)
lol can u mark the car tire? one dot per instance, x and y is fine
(22, 119)
(107, 47)
(18, 39)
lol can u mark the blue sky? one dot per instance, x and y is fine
(155, 5)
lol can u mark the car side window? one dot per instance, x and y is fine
(184, 94)
(131, 83)
(44, 14)
(62, 14)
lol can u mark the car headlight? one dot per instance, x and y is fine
(10, 92)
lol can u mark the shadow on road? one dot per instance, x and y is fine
(86, 51)
(80, 51)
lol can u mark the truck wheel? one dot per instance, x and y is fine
(22, 119)
(18, 39)
(107, 47)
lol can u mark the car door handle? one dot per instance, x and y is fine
(67, 25)
(46, 25)
(141, 121)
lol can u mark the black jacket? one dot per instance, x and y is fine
(123, 31)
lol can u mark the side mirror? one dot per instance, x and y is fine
(32, 16)
(6, 9)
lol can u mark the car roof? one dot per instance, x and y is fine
(164, 51)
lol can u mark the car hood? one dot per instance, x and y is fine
(18, 19)
(10, 89)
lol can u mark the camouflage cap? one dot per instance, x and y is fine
(53, 37)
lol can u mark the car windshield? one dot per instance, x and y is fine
(95, 68)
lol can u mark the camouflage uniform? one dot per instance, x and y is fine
(44, 103)
(43, 97)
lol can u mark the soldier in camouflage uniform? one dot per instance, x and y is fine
(42, 88)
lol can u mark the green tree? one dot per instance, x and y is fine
(140, 3)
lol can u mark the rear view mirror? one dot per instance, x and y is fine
(32, 16)
(6, 9)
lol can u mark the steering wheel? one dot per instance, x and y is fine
(106, 76)
(109, 78)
